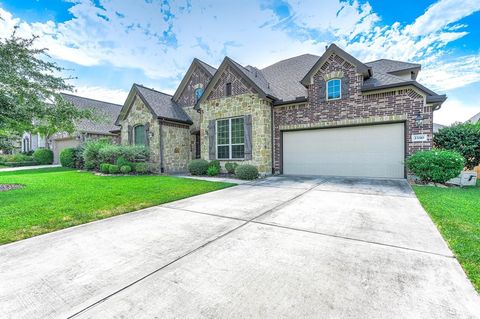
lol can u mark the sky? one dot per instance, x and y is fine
(110, 44)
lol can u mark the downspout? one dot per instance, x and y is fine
(162, 169)
(272, 133)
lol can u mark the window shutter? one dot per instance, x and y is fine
(248, 136)
(322, 91)
(344, 86)
(130, 134)
(211, 140)
(147, 131)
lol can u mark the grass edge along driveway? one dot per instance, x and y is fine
(57, 198)
(456, 213)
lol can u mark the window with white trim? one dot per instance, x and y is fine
(231, 138)
(334, 89)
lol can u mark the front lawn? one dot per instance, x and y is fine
(456, 212)
(56, 198)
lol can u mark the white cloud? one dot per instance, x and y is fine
(441, 14)
(102, 94)
(161, 39)
(454, 110)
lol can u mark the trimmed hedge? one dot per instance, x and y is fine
(20, 164)
(111, 153)
(230, 167)
(113, 169)
(141, 168)
(125, 169)
(43, 156)
(67, 157)
(216, 164)
(105, 168)
(246, 171)
(436, 166)
(91, 151)
(198, 167)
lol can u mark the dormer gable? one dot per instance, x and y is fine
(193, 83)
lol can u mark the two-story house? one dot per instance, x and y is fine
(307, 115)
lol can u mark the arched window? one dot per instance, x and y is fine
(198, 94)
(139, 135)
(334, 89)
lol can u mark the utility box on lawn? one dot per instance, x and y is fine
(464, 179)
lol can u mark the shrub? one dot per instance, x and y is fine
(105, 168)
(141, 168)
(198, 167)
(91, 151)
(125, 169)
(111, 153)
(213, 171)
(15, 158)
(463, 138)
(246, 171)
(215, 163)
(43, 156)
(230, 167)
(78, 157)
(113, 169)
(436, 166)
(19, 164)
(67, 157)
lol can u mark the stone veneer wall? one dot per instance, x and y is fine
(241, 105)
(140, 114)
(354, 108)
(176, 147)
(195, 116)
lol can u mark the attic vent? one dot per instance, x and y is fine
(338, 59)
(347, 65)
(325, 66)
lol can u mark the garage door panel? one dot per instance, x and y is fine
(371, 151)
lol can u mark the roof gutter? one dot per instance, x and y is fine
(299, 99)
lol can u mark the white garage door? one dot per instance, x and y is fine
(366, 151)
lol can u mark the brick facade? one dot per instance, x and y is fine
(354, 108)
(239, 85)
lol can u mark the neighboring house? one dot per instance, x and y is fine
(102, 126)
(308, 115)
(32, 141)
(475, 118)
(437, 127)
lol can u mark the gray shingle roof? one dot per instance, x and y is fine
(162, 104)
(207, 67)
(475, 118)
(391, 66)
(381, 79)
(106, 114)
(256, 76)
(285, 76)
(437, 127)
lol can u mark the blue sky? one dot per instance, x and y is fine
(108, 45)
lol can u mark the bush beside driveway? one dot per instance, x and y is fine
(57, 198)
(456, 212)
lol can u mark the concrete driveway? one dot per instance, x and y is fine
(283, 247)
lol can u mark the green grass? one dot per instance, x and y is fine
(456, 212)
(56, 198)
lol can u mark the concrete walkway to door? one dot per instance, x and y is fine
(289, 247)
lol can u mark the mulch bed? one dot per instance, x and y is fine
(10, 187)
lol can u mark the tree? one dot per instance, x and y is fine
(463, 138)
(30, 88)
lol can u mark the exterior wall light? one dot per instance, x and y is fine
(419, 119)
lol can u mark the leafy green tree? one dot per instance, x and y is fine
(463, 138)
(30, 87)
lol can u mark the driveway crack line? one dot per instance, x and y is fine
(81, 311)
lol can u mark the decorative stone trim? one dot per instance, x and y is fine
(333, 75)
(346, 122)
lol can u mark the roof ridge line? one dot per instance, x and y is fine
(88, 98)
(290, 58)
(142, 86)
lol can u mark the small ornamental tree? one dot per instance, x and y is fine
(463, 138)
(30, 91)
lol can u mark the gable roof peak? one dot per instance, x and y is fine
(334, 49)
